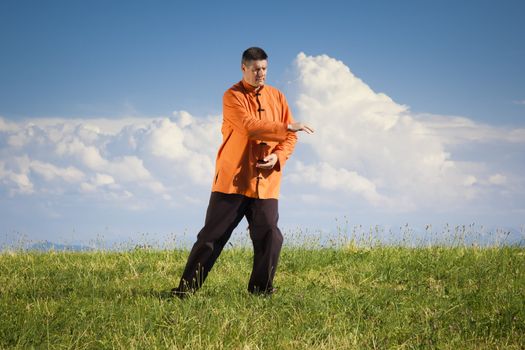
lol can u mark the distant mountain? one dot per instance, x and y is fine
(46, 246)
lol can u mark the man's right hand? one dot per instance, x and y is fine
(298, 126)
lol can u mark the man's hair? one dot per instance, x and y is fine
(253, 54)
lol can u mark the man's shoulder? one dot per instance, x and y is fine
(235, 89)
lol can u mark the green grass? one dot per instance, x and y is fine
(328, 298)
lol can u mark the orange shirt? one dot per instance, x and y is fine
(254, 125)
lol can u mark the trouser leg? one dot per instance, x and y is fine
(267, 240)
(224, 213)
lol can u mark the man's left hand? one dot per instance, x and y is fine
(268, 162)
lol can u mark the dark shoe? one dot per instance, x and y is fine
(264, 293)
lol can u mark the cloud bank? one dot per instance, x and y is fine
(369, 146)
(368, 152)
(132, 162)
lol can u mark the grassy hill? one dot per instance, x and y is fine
(328, 298)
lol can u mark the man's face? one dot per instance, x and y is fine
(254, 72)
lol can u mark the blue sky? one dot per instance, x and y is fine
(107, 57)
(84, 64)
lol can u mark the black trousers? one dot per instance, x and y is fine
(224, 213)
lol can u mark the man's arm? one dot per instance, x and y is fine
(284, 149)
(237, 115)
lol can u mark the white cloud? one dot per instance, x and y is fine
(14, 176)
(470, 180)
(104, 179)
(120, 160)
(166, 140)
(18, 183)
(330, 178)
(453, 130)
(498, 179)
(6, 126)
(373, 148)
(50, 172)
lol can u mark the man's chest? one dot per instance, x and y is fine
(264, 107)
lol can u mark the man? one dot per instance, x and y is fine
(258, 137)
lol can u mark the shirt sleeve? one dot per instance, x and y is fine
(285, 148)
(236, 114)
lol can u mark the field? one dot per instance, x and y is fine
(346, 297)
